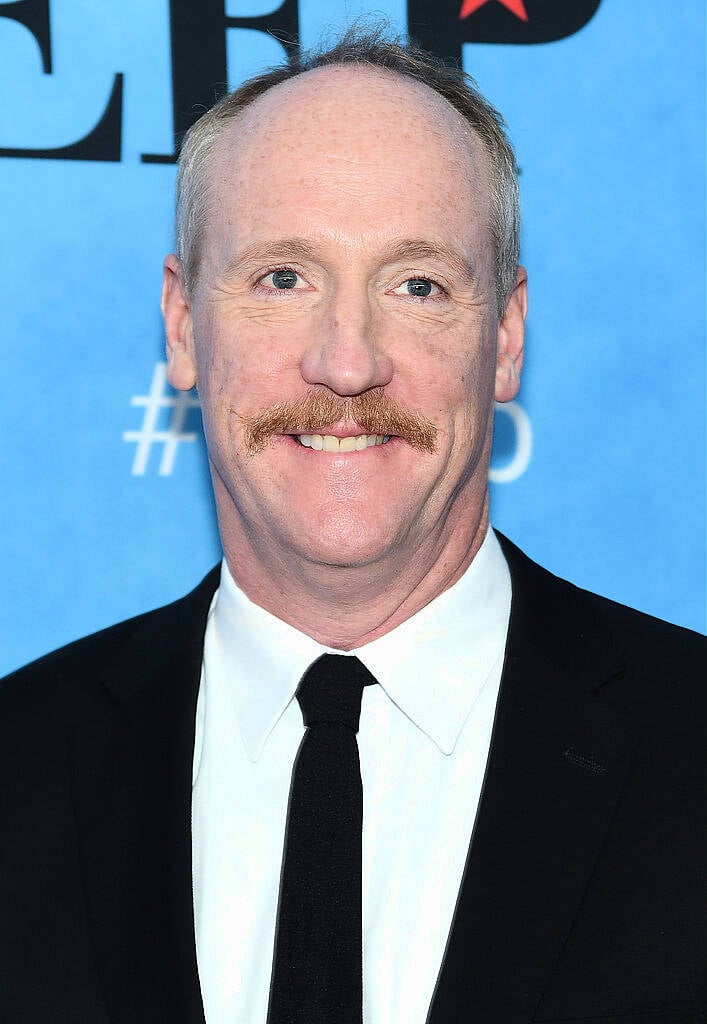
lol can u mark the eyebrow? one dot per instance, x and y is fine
(397, 250)
(270, 251)
(421, 249)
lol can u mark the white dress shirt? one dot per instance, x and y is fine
(423, 740)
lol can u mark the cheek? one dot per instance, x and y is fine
(245, 368)
(451, 381)
(459, 396)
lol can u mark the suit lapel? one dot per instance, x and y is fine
(557, 762)
(132, 798)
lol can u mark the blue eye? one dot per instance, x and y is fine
(419, 287)
(284, 278)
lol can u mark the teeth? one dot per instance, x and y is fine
(329, 443)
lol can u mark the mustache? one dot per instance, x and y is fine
(373, 411)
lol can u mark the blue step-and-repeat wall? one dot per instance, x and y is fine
(599, 466)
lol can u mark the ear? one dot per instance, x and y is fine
(511, 334)
(179, 331)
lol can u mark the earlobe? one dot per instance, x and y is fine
(511, 337)
(179, 334)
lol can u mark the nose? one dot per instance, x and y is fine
(346, 354)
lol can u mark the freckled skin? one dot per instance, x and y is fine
(352, 164)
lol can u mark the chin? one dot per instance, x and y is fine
(346, 548)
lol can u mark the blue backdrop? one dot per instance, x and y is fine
(598, 468)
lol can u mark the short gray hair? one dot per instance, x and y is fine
(374, 49)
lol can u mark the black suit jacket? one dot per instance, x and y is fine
(580, 900)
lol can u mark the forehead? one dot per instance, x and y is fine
(356, 97)
(357, 147)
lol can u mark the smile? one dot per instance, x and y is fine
(330, 443)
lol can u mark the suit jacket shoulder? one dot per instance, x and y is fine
(71, 672)
(96, 743)
(583, 632)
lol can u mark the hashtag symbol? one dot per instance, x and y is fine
(180, 402)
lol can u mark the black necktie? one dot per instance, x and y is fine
(317, 973)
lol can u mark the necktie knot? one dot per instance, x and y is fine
(331, 690)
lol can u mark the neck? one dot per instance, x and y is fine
(345, 607)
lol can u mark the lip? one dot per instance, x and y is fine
(333, 431)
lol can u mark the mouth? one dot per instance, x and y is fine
(331, 443)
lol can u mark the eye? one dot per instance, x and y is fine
(418, 287)
(283, 279)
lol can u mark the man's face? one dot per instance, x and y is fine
(346, 256)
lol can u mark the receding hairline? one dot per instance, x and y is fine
(462, 132)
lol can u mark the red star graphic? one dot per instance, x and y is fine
(516, 7)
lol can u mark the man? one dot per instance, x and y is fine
(348, 301)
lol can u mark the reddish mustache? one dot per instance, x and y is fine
(373, 411)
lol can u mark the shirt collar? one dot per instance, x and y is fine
(433, 666)
(268, 658)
